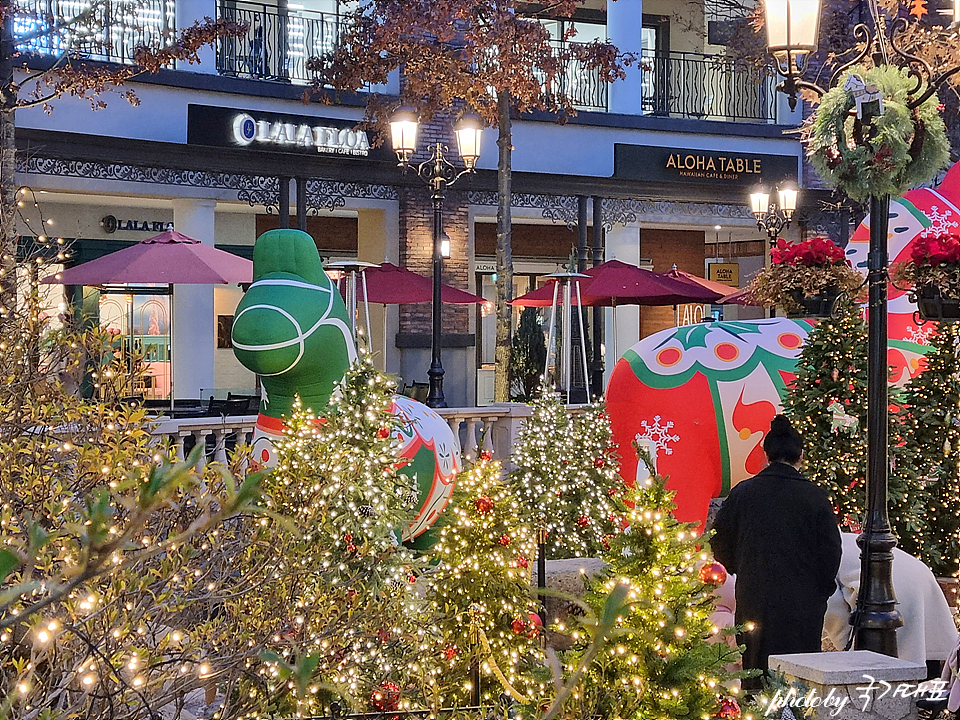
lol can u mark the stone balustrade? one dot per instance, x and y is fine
(493, 428)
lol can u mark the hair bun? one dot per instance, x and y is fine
(780, 423)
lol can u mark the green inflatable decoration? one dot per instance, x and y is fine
(291, 328)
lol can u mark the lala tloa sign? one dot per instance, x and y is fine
(228, 127)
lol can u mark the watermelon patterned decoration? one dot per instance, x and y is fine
(291, 328)
(702, 397)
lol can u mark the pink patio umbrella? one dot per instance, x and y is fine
(169, 258)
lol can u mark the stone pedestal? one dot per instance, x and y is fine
(857, 685)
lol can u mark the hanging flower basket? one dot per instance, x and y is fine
(934, 306)
(933, 271)
(884, 154)
(806, 278)
(819, 305)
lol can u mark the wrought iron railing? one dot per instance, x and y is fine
(583, 86)
(278, 42)
(104, 30)
(707, 87)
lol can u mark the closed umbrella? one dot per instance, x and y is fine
(170, 258)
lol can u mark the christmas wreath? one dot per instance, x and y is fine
(882, 154)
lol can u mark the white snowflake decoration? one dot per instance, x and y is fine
(920, 335)
(658, 434)
(941, 223)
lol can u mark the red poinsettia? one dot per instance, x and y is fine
(808, 253)
(933, 250)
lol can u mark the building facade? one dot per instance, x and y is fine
(655, 168)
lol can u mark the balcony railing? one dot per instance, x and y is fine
(707, 87)
(104, 30)
(585, 87)
(278, 43)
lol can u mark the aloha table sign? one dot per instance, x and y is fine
(684, 165)
(229, 127)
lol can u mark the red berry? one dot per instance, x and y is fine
(351, 547)
(504, 540)
(599, 462)
(583, 521)
(450, 652)
(348, 538)
(518, 626)
(522, 561)
(483, 505)
(486, 456)
(411, 579)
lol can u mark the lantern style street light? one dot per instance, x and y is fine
(438, 173)
(791, 38)
(773, 214)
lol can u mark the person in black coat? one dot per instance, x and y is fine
(778, 532)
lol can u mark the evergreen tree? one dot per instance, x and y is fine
(932, 434)
(481, 591)
(528, 356)
(827, 404)
(565, 474)
(334, 613)
(666, 660)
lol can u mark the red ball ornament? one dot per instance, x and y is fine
(522, 561)
(583, 521)
(535, 620)
(383, 433)
(348, 538)
(386, 697)
(713, 574)
(450, 652)
(599, 462)
(729, 709)
(504, 540)
(518, 626)
(483, 505)
(411, 579)
(486, 456)
(351, 547)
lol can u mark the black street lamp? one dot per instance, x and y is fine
(438, 173)
(791, 38)
(773, 213)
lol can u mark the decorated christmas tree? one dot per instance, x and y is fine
(335, 616)
(565, 476)
(827, 404)
(931, 430)
(481, 594)
(667, 659)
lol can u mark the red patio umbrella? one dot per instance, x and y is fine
(618, 283)
(393, 285)
(691, 279)
(170, 258)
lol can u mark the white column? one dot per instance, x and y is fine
(194, 324)
(621, 324)
(188, 12)
(624, 28)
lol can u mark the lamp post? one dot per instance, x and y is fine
(773, 215)
(792, 27)
(438, 173)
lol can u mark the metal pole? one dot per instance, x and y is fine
(542, 562)
(597, 311)
(566, 345)
(302, 204)
(583, 341)
(550, 336)
(877, 615)
(435, 399)
(284, 204)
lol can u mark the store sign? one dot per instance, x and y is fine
(111, 223)
(659, 164)
(726, 273)
(228, 127)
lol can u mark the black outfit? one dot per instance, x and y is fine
(778, 532)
